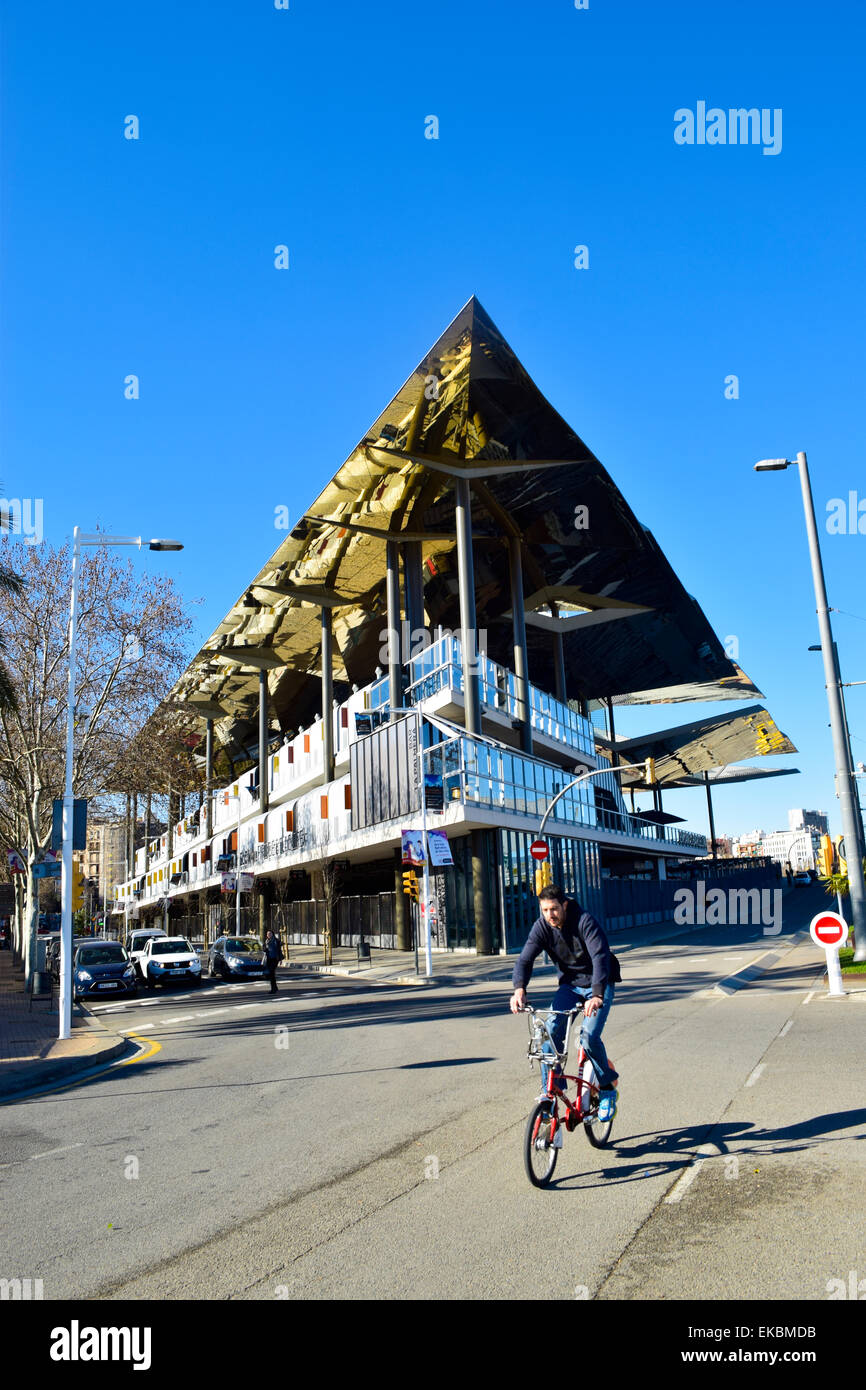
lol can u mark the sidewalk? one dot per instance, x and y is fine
(30, 1052)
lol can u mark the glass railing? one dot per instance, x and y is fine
(440, 666)
(478, 773)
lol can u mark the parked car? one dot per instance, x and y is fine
(237, 957)
(52, 957)
(102, 967)
(802, 877)
(136, 942)
(168, 958)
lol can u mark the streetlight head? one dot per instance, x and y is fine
(771, 465)
(817, 648)
(166, 545)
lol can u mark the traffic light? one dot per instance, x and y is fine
(650, 772)
(77, 888)
(543, 876)
(410, 884)
(825, 857)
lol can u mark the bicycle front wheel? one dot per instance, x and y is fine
(539, 1155)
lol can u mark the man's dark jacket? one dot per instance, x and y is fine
(579, 947)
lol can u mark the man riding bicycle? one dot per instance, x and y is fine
(576, 943)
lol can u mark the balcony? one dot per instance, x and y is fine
(440, 667)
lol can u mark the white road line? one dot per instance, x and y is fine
(181, 1018)
(688, 1177)
(732, 957)
(756, 1074)
(63, 1149)
(784, 1030)
(810, 995)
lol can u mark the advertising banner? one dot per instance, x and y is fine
(413, 848)
(440, 850)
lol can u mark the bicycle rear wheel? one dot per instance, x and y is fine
(539, 1155)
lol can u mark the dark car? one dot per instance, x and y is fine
(237, 958)
(52, 957)
(102, 968)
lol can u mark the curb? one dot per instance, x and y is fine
(760, 964)
(37, 1074)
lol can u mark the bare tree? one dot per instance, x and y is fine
(130, 648)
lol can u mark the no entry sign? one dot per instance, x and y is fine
(828, 929)
(538, 849)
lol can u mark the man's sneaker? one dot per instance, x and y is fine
(606, 1105)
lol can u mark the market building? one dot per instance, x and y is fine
(457, 616)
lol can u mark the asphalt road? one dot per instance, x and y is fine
(344, 1140)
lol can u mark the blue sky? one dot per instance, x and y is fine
(306, 127)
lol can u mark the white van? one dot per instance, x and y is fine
(137, 941)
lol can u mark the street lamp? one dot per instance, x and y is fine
(845, 785)
(79, 539)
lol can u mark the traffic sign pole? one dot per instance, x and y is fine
(829, 930)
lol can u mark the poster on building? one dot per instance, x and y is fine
(230, 883)
(434, 795)
(440, 850)
(413, 848)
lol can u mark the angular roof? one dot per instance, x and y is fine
(469, 408)
(710, 745)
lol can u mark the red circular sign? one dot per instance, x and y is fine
(828, 929)
(538, 849)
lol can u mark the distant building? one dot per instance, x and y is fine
(800, 819)
(799, 848)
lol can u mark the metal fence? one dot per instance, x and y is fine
(302, 923)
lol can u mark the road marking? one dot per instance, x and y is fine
(810, 995)
(732, 957)
(63, 1149)
(142, 1056)
(756, 1073)
(784, 1030)
(181, 1018)
(688, 1177)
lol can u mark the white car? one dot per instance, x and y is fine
(167, 958)
(137, 941)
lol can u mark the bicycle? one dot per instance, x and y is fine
(544, 1128)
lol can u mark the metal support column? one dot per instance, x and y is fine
(611, 729)
(328, 696)
(558, 660)
(413, 583)
(468, 629)
(521, 660)
(208, 776)
(392, 591)
(263, 740)
(710, 809)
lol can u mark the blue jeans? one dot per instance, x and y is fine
(566, 997)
